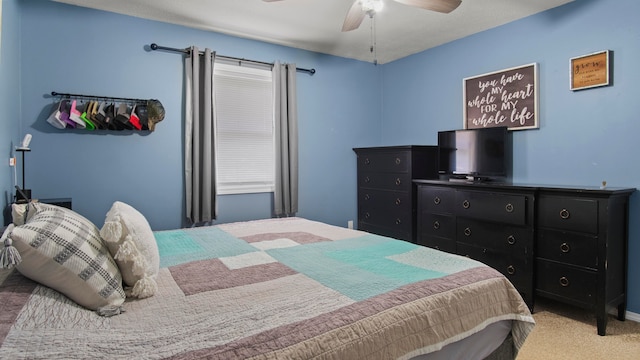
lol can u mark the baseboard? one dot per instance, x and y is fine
(632, 316)
(628, 315)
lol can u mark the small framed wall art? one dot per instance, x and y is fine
(592, 70)
(507, 97)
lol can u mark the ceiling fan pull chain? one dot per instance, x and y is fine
(373, 49)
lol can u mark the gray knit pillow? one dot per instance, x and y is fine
(63, 250)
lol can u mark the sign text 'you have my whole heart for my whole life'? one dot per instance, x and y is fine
(505, 98)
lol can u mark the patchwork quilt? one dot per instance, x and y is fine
(272, 289)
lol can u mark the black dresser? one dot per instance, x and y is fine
(386, 193)
(564, 243)
(492, 225)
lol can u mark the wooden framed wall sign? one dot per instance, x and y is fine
(502, 98)
(590, 70)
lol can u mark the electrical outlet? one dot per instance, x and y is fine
(12, 161)
(350, 224)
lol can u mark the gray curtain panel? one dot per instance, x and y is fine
(286, 118)
(199, 137)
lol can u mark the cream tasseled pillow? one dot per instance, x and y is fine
(130, 240)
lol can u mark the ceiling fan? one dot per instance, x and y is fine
(361, 8)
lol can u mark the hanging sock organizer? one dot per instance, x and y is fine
(90, 112)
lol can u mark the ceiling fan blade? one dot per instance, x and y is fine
(443, 6)
(354, 17)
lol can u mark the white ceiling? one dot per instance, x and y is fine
(316, 25)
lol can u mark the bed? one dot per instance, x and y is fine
(287, 288)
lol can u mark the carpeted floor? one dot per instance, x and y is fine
(565, 333)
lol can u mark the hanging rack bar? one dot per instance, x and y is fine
(54, 93)
(155, 46)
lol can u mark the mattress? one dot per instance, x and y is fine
(277, 289)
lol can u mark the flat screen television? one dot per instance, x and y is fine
(475, 154)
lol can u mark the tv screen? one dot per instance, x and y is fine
(477, 153)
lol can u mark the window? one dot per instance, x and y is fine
(245, 152)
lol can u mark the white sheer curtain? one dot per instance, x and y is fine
(286, 119)
(199, 137)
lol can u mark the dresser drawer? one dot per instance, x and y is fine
(437, 199)
(517, 269)
(383, 161)
(438, 243)
(568, 213)
(384, 201)
(397, 232)
(566, 281)
(388, 181)
(510, 239)
(566, 247)
(443, 226)
(492, 206)
(400, 220)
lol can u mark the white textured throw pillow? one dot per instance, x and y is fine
(63, 250)
(19, 213)
(132, 244)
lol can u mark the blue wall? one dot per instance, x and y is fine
(9, 97)
(71, 49)
(584, 137)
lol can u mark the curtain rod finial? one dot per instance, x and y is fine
(154, 46)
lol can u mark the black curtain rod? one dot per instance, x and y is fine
(155, 46)
(53, 93)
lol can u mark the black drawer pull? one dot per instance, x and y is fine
(367, 197)
(398, 221)
(467, 232)
(564, 282)
(367, 215)
(565, 248)
(436, 200)
(367, 179)
(511, 269)
(398, 201)
(398, 181)
(466, 204)
(398, 161)
(509, 208)
(511, 240)
(367, 161)
(436, 224)
(564, 214)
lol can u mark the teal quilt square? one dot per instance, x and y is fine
(184, 245)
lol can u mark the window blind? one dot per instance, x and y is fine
(245, 153)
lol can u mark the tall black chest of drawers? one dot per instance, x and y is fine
(386, 193)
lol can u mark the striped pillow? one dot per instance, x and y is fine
(64, 251)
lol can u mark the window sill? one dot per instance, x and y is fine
(239, 191)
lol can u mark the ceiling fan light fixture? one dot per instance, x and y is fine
(371, 5)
